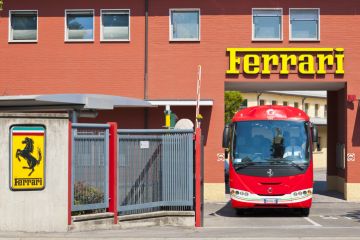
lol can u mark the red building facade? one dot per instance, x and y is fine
(151, 65)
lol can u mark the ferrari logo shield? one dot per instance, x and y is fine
(27, 158)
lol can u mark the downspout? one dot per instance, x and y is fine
(146, 63)
(146, 49)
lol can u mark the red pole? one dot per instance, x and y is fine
(198, 219)
(69, 172)
(113, 170)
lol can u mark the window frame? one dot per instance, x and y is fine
(171, 38)
(325, 111)
(102, 27)
(317, 108)
(304, 39)
(66, 39)
(306, 108)
(267, 39)
(10, 35)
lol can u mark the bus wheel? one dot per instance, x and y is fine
(240, 211)
(305, 212)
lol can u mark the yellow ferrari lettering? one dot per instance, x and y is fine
(305, 60)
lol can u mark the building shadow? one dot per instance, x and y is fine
(320, 188)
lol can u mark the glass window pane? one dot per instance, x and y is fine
(115, 26)
(304, 14)
(185, 25)
(267, 12)
(80, 26)
(24, 26)
(304, 29)
(267, 27)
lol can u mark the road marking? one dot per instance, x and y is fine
(282, 227)
(312, 222)
(328, 217)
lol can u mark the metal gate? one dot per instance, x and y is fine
(90, 167)
(155, 170)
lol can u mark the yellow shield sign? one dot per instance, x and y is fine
(27, 157)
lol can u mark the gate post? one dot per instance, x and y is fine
(69, 173)
(113, 141)
(198, 220)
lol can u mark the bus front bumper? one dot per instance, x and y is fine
(297, 199)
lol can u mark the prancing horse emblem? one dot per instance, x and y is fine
(26, 153)
(270, 172)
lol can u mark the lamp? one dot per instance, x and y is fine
(1, 4)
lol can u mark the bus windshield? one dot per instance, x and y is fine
(271, 142)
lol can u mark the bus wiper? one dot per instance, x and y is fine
(242, 165)
(292, 163)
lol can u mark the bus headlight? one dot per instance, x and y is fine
(302, 193)
(239, 193)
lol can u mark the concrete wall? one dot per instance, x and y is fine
(34, 211)
(320, 157)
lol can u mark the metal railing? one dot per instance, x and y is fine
(90, 166)
(155, 170)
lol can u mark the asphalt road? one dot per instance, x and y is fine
(330, 218)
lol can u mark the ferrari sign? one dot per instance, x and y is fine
(27, 157)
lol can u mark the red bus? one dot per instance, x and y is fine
(270, 158)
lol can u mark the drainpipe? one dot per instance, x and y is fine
(258, 98)
(146, 49)
(74, 116)
(146, 55)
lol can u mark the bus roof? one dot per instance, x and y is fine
(270, 112)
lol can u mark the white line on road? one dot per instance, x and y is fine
(312, 222)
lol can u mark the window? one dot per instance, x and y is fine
(306, 108)
(325, 111)
(115, 25)
(79, 25)
(296, 104)
(304, 24)
(244, 104)
(273, 102)
(267, 24)
(184, 25)
(285, 103)
(262, 102)
(23, 26)
(316, 110)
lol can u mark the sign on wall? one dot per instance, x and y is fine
(27, 157)
(284, 61)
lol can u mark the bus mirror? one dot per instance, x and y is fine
(226, 136)
(315, 134)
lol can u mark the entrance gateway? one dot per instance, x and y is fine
(318, 69)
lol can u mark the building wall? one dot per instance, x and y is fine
(52, 66)
(281, 98)
(45, 210)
